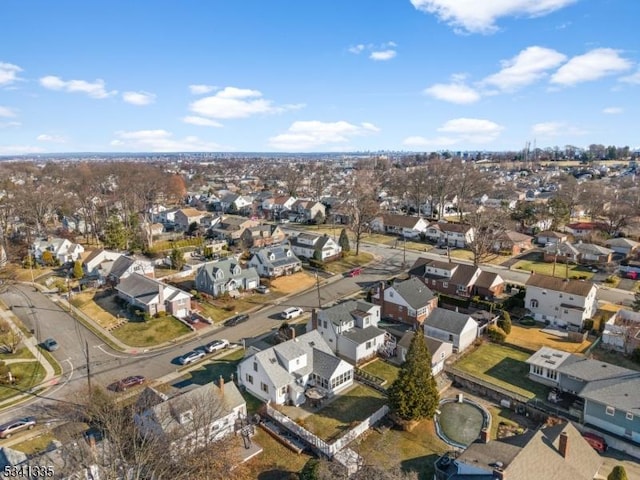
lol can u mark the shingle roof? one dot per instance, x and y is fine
(620, 392)
(447, 320)
(120, 266)
(621, 242)
(361, 335)
(343, 311)
(325, 364)
(404, 221)
(414, 292)
(576, 287)
(487, 279)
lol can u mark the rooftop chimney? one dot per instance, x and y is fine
(292, 332)
(484, 435)
(221, 385)
(564, 444)
(498, 474)
(160, 297)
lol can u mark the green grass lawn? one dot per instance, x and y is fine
(23, 353)
(545, 268)
(35, 445)
(382, 369)
(28, 374)
(349, 261)
(153, 332)
(276, 461)
(211, 371)
(502, 366)
(217, 311)
(352, 406)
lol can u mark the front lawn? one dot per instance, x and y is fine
(150, 333)
(224, 366)
(532, 338)
(348, 262)
(28, 374)
(561, 270)
(468, 255)
(100, 308)
(382, 369)
(23, 353)
(502, 366)
(35, 445)
(350, 407)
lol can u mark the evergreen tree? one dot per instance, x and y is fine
(505, 322)
(177, 259)
(343, 241)
(636, 302)
(78, 273)
(618, 473)
(414, 394)
(115, 234)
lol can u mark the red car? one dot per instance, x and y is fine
(125, 383)
(355, 272)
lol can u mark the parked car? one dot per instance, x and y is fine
(216, 345)
(291, 312)
(128, 382)
(50, 344)
(236, 320)
(15, 426)
(191, 357)
(262, 289)
(355, 272)
(598, 443)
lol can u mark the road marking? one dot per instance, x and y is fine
(67, 380)
(99, 347)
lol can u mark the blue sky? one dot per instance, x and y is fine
(332, 75)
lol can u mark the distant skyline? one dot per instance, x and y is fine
(298, 76)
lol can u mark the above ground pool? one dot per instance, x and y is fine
(460, 421)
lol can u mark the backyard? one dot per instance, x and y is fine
(502, 366)
(560, 270)
(382, 369)
(101, 309)
(532, 338)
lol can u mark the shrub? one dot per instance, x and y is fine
(496, 334)
(528, 321)
(588, 324)
(505, 322)
(635, 355)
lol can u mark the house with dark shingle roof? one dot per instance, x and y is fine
(557, 452)
(319, 247)
(624, 246)
(281, 374)
(262, 236)
(216, 278)
(512, 242)
(561, 302)
(275, 261)
(153, 297)
(404, 225)
(410, 301)
(580, 252)
(351, 330)
(124, 266)
(610, 393)
(459, 329)
(438, 350)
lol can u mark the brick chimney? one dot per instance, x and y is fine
(498, 474)
(381, 302)
(484, 435)
(292, 332)
(221, 385)
(563, 447)
(314, 319)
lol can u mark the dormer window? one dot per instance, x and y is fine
(236, 270)
(186, 417)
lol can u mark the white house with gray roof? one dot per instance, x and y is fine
(459, 329)
(320, 247)
(216, 278)
(281, 374)
(154, 297)
(63, 250)
(351, 329)
(275, 261)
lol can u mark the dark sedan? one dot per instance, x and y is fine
(236, 320)
(128, 382)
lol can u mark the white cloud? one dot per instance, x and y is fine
(6, 112)
(473, 16)
(555, 129)
(527, 67)
(592, 65)
(201, 89)
(455, 92)
(232, 102)
(139, 98)
(8, 73)
(160, 141)
(10, 124)
(51, 138)
(382, 55)
(94, 90)
(475, 130)
(612, 110)
(201, 121)
(633, 79)
(19, 149)
(314, 135)
(356, 49)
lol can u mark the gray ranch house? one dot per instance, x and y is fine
(272, 262)
(216, 278)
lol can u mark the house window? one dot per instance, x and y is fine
(566, 311)
(445, 284)
(441, 355)
(537, 370)
(249, 378)
(629, 416)
(324, 324)
(451, 338)
(610, 411)
(255, 366)
(570, 298)
(534, 303)
(552, 374)
(368, 345)
(264, 387)
(433, 282)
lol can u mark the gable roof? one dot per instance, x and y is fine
(226, 266)
(621, 242)
(448, 320)
(414, 292)
(403, 221)
(120, 266)
(576, 287)
(282, 256)
(346, 311)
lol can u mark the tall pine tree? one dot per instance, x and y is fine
(414, 394)
(343, 241)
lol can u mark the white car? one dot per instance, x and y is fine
(216, 345)
(291, 312)
(191, 357)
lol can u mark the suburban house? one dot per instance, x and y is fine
(408, 302)
(231, 227)
(403, 225)
(193, 418)
(216, 278)
(98, 264)
(62, 250)
(550, 237)
(583, 229)
(581, 253)
(350, 329)
(459, 329)
(154, 297)
(76, 224)
(124, 266)
(512, 242)
(562, 252)
(166, 216)
(622, 331)
(283, 373)
(232, 202)
(262, 236)
(561, 302)
(452, 234)
(557, 452)
(438, 350)
(278, 206)
(186, 216)
(308, 210)
(623, 246)
(457, 279)
(609, 392)
(318, 247)
(275, 261)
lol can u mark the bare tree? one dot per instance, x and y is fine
(440, 177)
(467, 183)
(488, 229)
(10, 337)
(319, 179)
(292, 175)
(362, 205)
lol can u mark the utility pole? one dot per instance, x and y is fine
(86, 355)
(318, 290)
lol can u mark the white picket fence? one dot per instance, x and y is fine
(359, 429)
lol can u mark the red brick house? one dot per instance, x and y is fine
(408, 302)
(512, 242)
